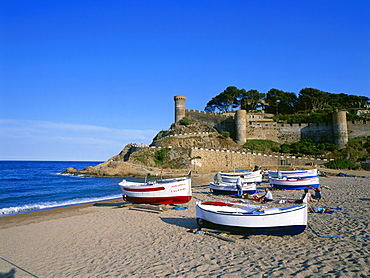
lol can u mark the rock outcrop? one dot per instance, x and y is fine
(172, 144)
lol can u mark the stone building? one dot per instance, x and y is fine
(243, 125)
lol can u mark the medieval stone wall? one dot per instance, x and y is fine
(269, 130)
(223, 160)
(358, 129)
(225, 121)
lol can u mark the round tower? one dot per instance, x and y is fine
(340, 131)
(179, 107)
(241, 126)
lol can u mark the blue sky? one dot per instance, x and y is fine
(81, 79)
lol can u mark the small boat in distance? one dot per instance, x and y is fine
(225, 183)
(310, 173)
(230, 189)
(231, 177)
(163, 191)
(252, 219)
(294, 183)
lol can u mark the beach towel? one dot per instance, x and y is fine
(322, 210)
(179, 208)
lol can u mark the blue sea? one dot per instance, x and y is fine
(37, 185)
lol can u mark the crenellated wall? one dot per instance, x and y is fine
(224, 121)
(258, 127)
(223, 160)
(358, 129)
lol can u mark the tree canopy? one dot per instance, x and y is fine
(251, 100)
(314, 102)
(232, 98)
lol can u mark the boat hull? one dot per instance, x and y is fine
(275, 231)
(167, 191)
(289, 183)
(272, 221)
(230, 189)
(159, 200)
(232, 177)
(310, 173)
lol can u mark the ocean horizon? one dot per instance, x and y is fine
(31, 185)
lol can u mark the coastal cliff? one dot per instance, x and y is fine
(168, 155)
(197, 147)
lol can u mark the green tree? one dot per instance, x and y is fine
(280, 102)
(225, 101)
(250, 100)
(344, 101)
(312, 99)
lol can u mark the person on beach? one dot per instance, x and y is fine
(318, 196)
(267, 197)
(239, 186)
(217, 178)
(279, 175)
(320, 210)
(306, 197)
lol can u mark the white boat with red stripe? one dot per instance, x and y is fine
(163, 191)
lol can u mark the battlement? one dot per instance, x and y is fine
(189, 134)
(259, 125)
(191, 111)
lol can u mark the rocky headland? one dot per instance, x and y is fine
(138, 160)
(169, 155)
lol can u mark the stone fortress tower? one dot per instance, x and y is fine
(340, 130)
(244, 125)
(241, 126)
(179, 107)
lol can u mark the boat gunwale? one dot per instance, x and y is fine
(155, 183)
(252, 213)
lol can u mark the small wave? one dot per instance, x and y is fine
(13, 179)
(50, 205)
(73, 175)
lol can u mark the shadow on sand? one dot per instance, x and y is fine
(187, 223)
(110, 204)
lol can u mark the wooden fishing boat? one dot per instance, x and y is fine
(252, 219)
(230, 189)
(231, 177)
(163, 191)
(294, 183)
(310, 173)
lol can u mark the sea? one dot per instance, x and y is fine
(27, 186)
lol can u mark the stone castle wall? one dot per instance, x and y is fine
(223, 160)
(257, 128)
(358, 129)
(225, 121)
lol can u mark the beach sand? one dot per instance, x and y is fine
(106, 240)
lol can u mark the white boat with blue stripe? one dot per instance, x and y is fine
(294, 174)
(294, 183)
(252, 219)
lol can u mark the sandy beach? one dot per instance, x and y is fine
(108, 240)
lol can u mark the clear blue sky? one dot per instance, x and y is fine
(81, 79)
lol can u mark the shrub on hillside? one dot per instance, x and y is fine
(160, 156)
(185, 121)
(342, 164)
(308, 147)
(224, 134)
(261, 145)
